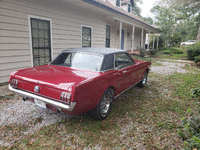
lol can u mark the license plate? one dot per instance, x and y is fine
(40, 103)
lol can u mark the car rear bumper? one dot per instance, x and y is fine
(45, 100)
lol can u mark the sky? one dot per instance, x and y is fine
(146, 6)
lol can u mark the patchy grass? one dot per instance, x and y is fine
(141, 118)
(141, 58)
(173, 56)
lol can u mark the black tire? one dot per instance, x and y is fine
(104, 106)
(143, 82)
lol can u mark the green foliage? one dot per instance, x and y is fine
(197, 59)
(167, 52)
(191, 131)
(196, 92)
(161, 42)
(153, 51)
(193, 51)
(148, 20)
(178, 20)
(142, 52)
(177, 51)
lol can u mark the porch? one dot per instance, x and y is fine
(128, 36)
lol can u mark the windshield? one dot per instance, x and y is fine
(79, 60)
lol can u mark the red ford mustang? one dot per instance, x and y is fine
(81, 80)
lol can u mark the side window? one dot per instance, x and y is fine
(122, 60)
(69, 59)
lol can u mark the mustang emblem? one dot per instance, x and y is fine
(37, 89)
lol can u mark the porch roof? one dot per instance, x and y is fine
(109, 7)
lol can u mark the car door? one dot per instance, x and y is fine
(124, 69)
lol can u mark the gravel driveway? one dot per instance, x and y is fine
(22, 113)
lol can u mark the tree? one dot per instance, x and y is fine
(148, 20)
(188, 9)
(136, 9)
(178, 20)
(165, 20)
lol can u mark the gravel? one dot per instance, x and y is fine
(169, 68)
(20, 112)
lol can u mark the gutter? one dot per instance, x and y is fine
(100, 5)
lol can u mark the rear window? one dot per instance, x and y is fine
(79, 60)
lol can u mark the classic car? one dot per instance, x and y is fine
(81, 80)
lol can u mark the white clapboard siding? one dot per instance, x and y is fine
(14, 52)
(66, 24)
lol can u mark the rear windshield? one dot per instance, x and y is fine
(79, 60)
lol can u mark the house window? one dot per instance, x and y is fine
(118, 3)
(86, 36)
(129, 8)
(108, 36)
(41, 41)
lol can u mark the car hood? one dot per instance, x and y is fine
(55, 76)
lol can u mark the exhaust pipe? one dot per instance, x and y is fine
(24, 99)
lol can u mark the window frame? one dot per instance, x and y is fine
(82, 35)
(30, 35)
(109, 35)
(119, 3)
(133, 62)
(129, 4)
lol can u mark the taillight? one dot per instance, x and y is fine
(65, 97)
(14, 83)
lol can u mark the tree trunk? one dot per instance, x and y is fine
(198, 35)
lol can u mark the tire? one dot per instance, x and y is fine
(104, 106)
(143, 82)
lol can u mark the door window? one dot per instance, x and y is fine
(122, 60)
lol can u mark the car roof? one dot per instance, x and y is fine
(95, 50)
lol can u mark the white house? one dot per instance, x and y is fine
(33, 32)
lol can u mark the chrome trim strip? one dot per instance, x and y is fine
(126, 90)
(45, 100)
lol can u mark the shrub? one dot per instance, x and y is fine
(153, 51)
(191, 131)
(167, 52)
(197, 59)
(193, 51)
(142, 52)
(177, 51)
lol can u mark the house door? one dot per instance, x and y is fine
(108, 36)
(41, 41)
(122, 39)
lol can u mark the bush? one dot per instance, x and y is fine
(193, 51)
(191, 131)
(167, 52)
(142, 51)
(177, 51)
(153, 51)
(197, 59)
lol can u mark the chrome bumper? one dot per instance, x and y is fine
(45, 100)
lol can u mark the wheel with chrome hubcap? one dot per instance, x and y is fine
(143, 82)
(103, 108)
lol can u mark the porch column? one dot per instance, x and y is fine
(153, 40)
(120, 34)
(133, 35)
(157, 40)
(148, 41)
(142, 37)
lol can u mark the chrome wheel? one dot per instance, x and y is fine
(103, 108)
(105, 104)
(144, 80)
